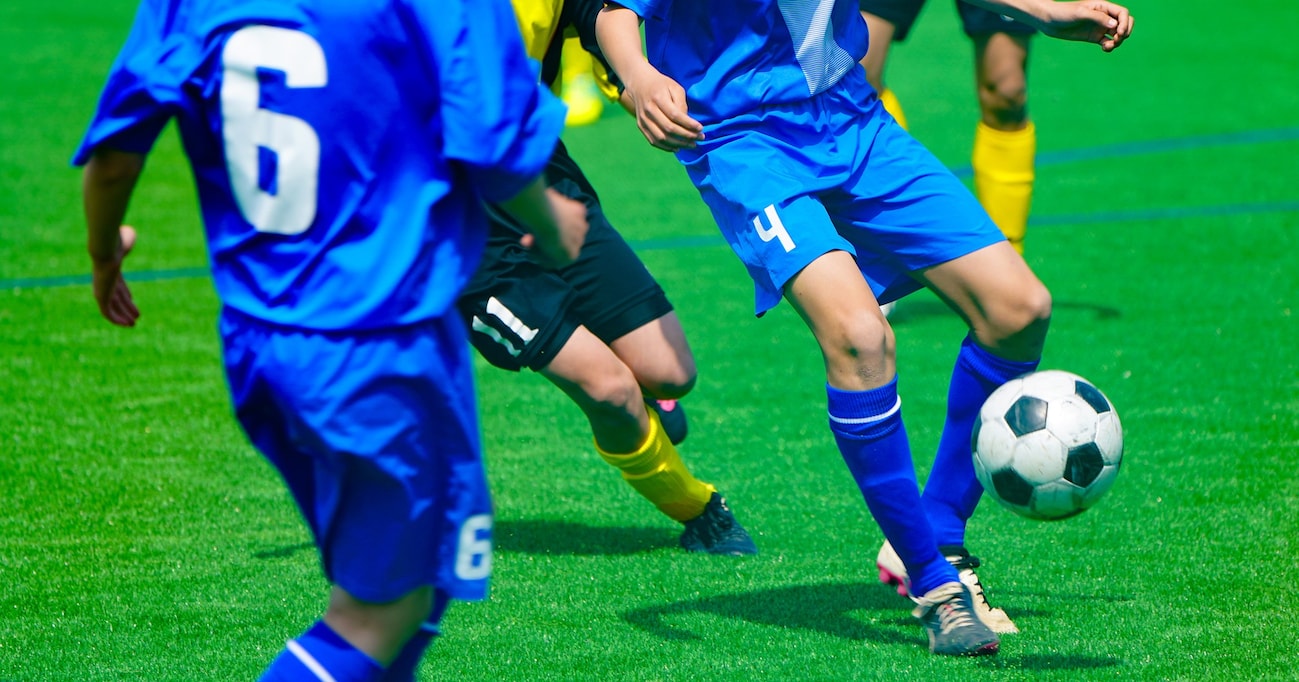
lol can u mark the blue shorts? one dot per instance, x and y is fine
(792, 182)
(376, 436)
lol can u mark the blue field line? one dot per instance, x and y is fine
(1044, 159)
(77, 280)
(1144, 214)
(1111, 151)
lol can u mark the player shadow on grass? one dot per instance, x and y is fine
(285, 551)
(543, 536)
(920, 306)
(854, 611)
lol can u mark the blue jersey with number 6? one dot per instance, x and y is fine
(333, 143)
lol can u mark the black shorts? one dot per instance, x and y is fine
(976, 20)
(520, 314)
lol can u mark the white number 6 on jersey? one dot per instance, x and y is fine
(247, 127)
(474, 553)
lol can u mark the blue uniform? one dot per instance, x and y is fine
(733, 57)
(799, 157)
(342, 150)
(334, 169)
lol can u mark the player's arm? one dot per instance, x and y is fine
(558, 223)
(107, 183)
(658, 101)
(1089, 21)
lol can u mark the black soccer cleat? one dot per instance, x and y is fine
(717, 532)
(673, 418)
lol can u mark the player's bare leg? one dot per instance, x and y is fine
(1008, 311)
(1005, 140)
(865, 413)
(877, 53)
(630, 437)
(604, 387)
(856, 341)
(660, 357)
(1006, 306)
(378, 630)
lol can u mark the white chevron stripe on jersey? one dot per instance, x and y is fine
(822, 60)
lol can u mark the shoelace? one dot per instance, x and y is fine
(976, 587)
(966, 563)
(953, 614)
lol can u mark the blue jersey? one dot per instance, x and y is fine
(733, 56)
(341, 148)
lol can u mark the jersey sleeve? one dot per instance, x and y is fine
(139, 96)
(581, 15)
(500, 123)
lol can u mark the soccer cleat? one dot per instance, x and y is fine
(717, 532)
(893, 572)
(947, 612)
(673, 418)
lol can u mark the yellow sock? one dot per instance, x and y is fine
(1003, 177)
(656, 471)
(893, 106)
(578, 87)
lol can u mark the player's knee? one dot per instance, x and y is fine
(387, 624)
(1023, 318)
(860, 344)
(1004, 102)
(671, 383)
(613, 393)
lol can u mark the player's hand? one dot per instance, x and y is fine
(562, 247)
(111, 292)
(1089, 21)
(660, 107)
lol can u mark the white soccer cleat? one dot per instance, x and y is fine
(894, 572)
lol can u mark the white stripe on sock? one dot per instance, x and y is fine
(867, 420)
(308, 660)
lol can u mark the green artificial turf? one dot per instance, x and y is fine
(143, 539)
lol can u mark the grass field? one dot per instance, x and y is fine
(143, 539)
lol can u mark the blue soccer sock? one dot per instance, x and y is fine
(403, 669)
(952, 490)
(867, 426)
(321, 654)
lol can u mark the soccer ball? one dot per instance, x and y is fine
(1047, 445)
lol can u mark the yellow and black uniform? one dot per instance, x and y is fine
(521, 314)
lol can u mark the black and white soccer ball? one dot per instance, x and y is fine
(1047, 445)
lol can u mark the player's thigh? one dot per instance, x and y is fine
(621, 303)
(589, 372)
(837, 305)
(659, 355)
(881, 33)
(997, 294)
